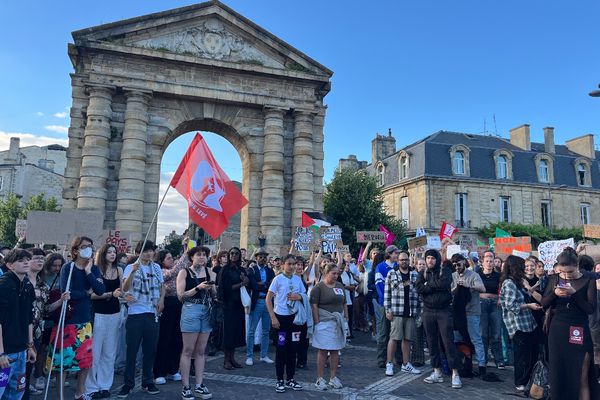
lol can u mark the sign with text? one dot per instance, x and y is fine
(344, 249)
(452, 249)
(550, 250)
(303, 239)
(420, 241)
(591, 231)
(370, 236)
(331, 238)
(21, 228)
(522, 254)
(504, 246)
(121, 240)
(434, 242)
(61, 227)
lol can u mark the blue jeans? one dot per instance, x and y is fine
(474, 328)
(259, 313)
(17, 372)
(378, 314)
(491, 328)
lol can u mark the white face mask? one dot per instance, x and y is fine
(86, 253)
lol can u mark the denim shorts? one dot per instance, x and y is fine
(195, 318)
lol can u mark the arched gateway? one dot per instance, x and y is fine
(140, 83)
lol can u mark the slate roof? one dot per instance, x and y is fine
(431, 157)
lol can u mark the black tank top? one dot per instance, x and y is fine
(491, 282)
(191, 281)
(110, 305)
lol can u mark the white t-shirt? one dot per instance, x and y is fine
(138, 307)
(281, 286)
(347, 280)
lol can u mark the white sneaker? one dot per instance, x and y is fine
(434, 378)
(456, 383)
(249, 361)
(389, 369)
(40, 383)
(160, 380)
(175, 377)
(410, 369)
(321, 384)
(520, 388)
(335, 383)
(267, 360)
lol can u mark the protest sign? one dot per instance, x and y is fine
(370, 236)
(21, 228)
(343, 249)
(303, 239)
(434, 242)
(330, 237)
(522, 254)
(591, 231)
(60, 228)
(504, 246)
(550, 250)
(451, 250)
(121, 240)
(592, 250)
(420, 241)
(466, 242)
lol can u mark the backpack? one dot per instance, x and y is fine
(537, 387)
(465, 360)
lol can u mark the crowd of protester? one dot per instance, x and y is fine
(166, 313)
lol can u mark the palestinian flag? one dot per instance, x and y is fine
(317, 219)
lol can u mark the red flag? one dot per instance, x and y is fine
(212, 197)
(389, 236)
(447, 230)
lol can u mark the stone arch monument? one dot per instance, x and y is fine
(140, 83)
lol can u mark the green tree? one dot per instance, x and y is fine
(11, 210)
(175, 247)
(355, 202)
(538, 233)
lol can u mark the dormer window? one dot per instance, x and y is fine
(503, 160)
(582, 171)
(380, 174)
(459, 163)
(544, 167)
(459, 157)
(403, 166)
(543, 171)
(502, 167)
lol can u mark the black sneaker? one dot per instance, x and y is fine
(292, 384)
(105, 394)
(150, 389)
(202, 392)
(280, 387)
(186, 393)
(124, 392)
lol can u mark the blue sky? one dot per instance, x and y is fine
(413, 66)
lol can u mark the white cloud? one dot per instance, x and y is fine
(28, 139)
(173, 214)
(39, 114)
(61, 114)
(57, 128)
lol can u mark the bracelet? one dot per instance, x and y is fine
(197, 289)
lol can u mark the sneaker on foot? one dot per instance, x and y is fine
(150, 389)
(40, 383)
(33, 390)
(501, 365)
(267, 360)
(124, 392)
(456, 382)
(160, 380)
(84, 396)
(321, 384)
(202, 392)
(389, 369)
(292, 384)
(434, 378)
(410, 369)
(280, 387)
(335, 383)
(175, 377)
(186, 393)
(520, 388)
(249, 361)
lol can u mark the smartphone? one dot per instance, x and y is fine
(210, 282)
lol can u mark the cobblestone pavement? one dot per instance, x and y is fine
(359, 374)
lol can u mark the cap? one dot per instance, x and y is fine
(261, 251)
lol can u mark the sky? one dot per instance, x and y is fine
(414, 66)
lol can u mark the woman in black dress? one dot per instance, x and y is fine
(231, 279)
(571, 296)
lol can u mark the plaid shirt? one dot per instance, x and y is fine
(515, 318)
(393, 294)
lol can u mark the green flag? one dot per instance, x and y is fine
(500, 233)
(491, 240)
(480, 243)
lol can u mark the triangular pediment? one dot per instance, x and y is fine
(206, 31)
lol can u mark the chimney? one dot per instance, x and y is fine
(350, 162)
(382, 147)
(549, 140)
(13, 150)
(520, 137)
(583, 145)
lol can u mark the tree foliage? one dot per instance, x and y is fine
(355, 202)
(11, 210)
(175, 247)
(538, 233)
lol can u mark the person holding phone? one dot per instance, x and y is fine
(196, 290)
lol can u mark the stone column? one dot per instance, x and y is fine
(303, 180)
(132, 172)
(91, 194)
(271, 219)
(318, 157)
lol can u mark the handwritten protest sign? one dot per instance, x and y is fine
(504, 246)
(466, 242)
(522, 254)
(303, 239)
(550, 250)
(451, 250)
(330, 237)
(591, 231)
(420, 241)
(434, 242)
(370, 236)
(343, 249)
(120, 239)
(21, 228)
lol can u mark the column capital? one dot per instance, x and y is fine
(138, 94)
(274, 111)
(93, 89)
(304, 115)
